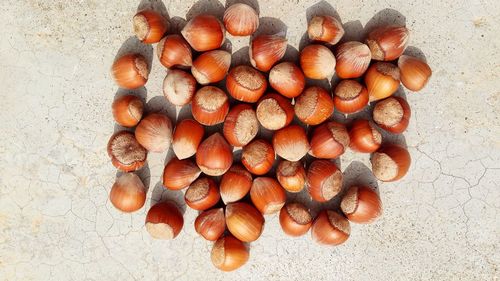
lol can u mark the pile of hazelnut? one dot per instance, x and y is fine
(268, 94)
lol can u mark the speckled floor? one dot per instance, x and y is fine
(441, 222)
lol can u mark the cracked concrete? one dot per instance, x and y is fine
(441, 222)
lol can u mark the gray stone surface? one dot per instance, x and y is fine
(441, 222)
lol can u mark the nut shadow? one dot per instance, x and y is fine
(305, 199)
(240, 57)
(334, 81)
(176, 25)
(384, 17)
(141, 93)
(252, 3)
(222, 85)
(323, 83)
(118, 128)
(291, 55)
(227, 46)
(265, 134)
(354, 31)
(155, 5)
(308, 159)
(159, 104)
(322, 8)
(358, 173)
(304, 41)
(162, 194)
(390, 138)
(212, 7)
(237, 151)
(169, 156)
(210, 130)
(270, 26)
(184, 113)
(143, 173)
(415, 52)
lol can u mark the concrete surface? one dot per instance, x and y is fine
(440, 223)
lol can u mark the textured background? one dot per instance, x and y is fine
(441, 222)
